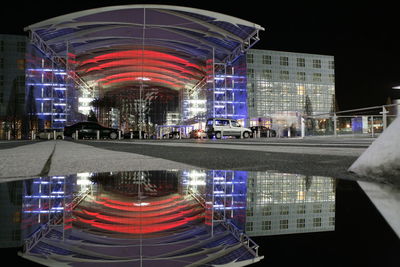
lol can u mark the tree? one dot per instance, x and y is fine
(308, 111)
(92, 116)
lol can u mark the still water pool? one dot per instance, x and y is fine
(199, 217)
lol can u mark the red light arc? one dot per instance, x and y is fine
(151, 217)
(136, 67)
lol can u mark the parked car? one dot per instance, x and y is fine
(49, 134)
(89, 129)
(135, 135)
(264, 131)
(172, 135)
(226, 127)
(199, 133)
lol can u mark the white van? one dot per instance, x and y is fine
(226, 127)
(49, 134)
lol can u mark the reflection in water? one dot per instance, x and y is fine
(282, 203)
(145, 217)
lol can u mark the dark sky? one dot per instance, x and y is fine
(365, 38)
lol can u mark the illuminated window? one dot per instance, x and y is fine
(284, 210)
(301, 223)
(332, 208)
(331, 65)
(250, 73)
(283, 224)
(317, 208)
(300, 91)
(301, 209)
(331, 77)
(266, 225)
(317, 222)
(267, 74)
(250, 58)
(249, 226)
(301, 76)
(331, 221)
(284, 75)
(317, 77)
(267, 211)
(284, 61)
(266, 59)
(316, 63)
(301, 62)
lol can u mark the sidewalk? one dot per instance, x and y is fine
(63, 157)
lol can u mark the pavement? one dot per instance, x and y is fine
(58, 157)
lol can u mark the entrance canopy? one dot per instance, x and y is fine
(156, 45)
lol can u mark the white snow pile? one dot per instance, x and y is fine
(382, 158)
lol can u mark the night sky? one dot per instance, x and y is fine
(364, 39)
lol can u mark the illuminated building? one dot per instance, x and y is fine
(166, 50)
(12, 84)
(282, 86)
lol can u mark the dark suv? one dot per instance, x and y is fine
(264, 131)
(89, 129)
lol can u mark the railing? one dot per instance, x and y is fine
(235, 231)
(368, 122)
(44, 229)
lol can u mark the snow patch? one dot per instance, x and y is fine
(381, 160)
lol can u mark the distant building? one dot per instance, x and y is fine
(282, 86)
(12, 84)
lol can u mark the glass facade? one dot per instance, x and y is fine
(282, 86)
(226, 90)
(53, 98)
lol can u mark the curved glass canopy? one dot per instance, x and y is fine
(156, 45)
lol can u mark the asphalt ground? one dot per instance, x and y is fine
(320, 156)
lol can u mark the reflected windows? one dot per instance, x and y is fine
(317, 208)
(284, 210)
(249, 226)
(283, 224)
(301, 209)
(301, 223)
(266, 210)
(266, 225)
(317, 222)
